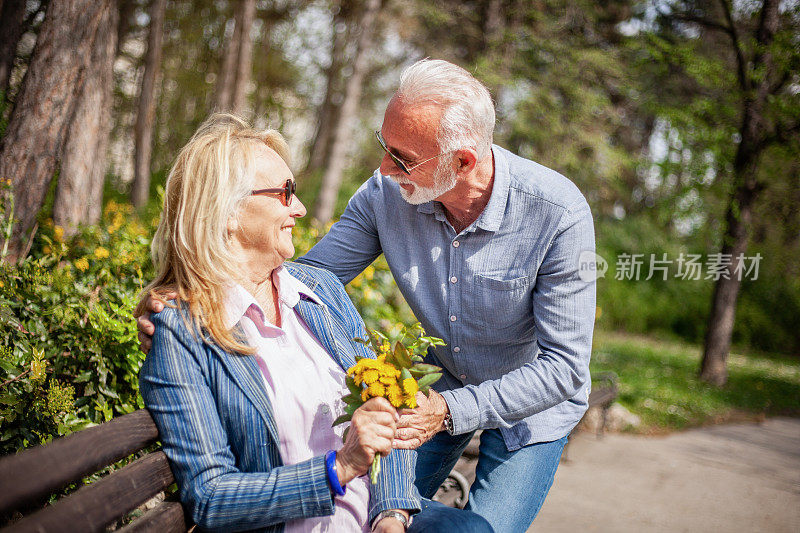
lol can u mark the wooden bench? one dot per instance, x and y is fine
(28, 478)
(604, 395)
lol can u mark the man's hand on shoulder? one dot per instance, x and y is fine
(417, 426)
(143, 324)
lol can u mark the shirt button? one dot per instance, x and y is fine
(325, 409)
(456, 244)
(456, 349)
(463, 376)
(453, 318)
(453, 279)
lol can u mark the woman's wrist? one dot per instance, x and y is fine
(343, 469)
(402, 517)
(337, 484)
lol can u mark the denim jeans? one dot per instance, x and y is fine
(436, 517)
(509, 487)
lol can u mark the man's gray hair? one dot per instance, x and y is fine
(468, 117)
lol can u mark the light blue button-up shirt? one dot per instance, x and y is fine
(504, 293)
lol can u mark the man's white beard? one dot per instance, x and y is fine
(444, 179)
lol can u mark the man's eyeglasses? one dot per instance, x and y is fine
(402, 165)
(287, 191)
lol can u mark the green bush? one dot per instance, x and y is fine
(70, 355)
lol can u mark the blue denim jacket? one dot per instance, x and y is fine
(219, 433)
(504, 294)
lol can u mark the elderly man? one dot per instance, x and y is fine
(485, 247)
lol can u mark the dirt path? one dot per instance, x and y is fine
(743, 477)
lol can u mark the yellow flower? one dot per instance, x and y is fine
(395, 395)
(101, 253)
(388, 380)
(58, 233)
(376, 390)
(82, 264)
(410, 386)
(46, 249)
(364, 395)
(371, 376)
(411, 402)
(116, 223)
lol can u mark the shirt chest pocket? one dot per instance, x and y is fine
(502, 303)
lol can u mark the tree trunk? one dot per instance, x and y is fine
(126, 13)
(328, 113)
(227, 74)
(79, 194)
(739, 219)
(12, 15)
(342, 138)
(740, 209)
(246, 10)
(145, 117)
(46, 103)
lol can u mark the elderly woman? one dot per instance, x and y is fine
(246, 370)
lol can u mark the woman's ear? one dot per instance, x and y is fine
(232, 226)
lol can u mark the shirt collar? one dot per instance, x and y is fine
(492, 215)
(290, 291)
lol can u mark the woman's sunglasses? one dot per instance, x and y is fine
(287, 191)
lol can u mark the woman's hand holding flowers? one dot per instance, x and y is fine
(372, 430)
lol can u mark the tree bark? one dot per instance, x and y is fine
(145, 117)
(739, 219)
(79, 193)
(246, 10)
(12, 15)
(753, 131)
(46, 103)
(126, 12)
(227, 72)
(328, 113)
(341, 140)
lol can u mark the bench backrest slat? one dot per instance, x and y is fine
(35, 473)
(167, 517)
(94, 506)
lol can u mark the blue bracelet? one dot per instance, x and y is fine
(333, 476)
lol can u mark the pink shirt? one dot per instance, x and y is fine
(305, 386)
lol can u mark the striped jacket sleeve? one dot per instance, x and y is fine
(218, 496)
(395, 488)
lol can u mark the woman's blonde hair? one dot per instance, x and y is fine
(211, 177)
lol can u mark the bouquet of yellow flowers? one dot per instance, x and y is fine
(397, 373)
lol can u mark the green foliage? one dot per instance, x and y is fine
(373, 292)
(70, 355)
(658, 381)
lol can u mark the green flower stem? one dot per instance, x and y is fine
(376, 469)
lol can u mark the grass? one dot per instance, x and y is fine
(658, 382)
